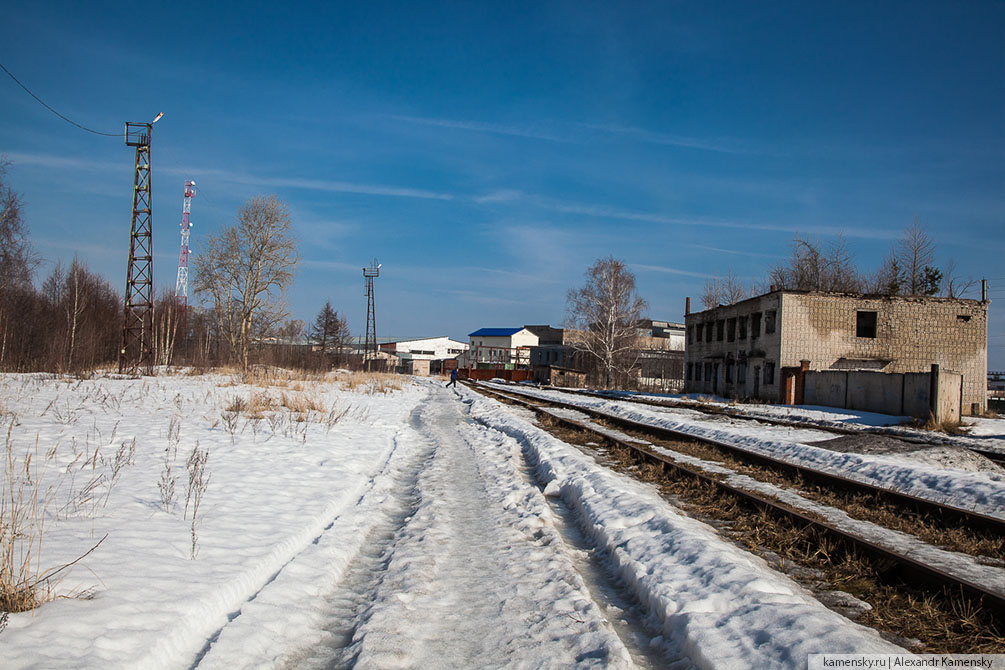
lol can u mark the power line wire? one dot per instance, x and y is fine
(42, 102)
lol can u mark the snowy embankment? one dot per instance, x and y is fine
(274, 484)
(724, 607)
(981, 433)
(980, 491)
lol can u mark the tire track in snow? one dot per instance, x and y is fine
(477, 576)
(347, 606)
(286, 604)
(625, 613)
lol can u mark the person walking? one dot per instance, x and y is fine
(453, 378)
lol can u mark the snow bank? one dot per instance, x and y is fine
(274, 486)
(980, 491)
(723, 606)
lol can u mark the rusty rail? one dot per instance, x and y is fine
(948, 513)
(909, 570)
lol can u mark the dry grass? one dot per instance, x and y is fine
(22, 517)
(371, 382)
(301, 403)
(254, 406)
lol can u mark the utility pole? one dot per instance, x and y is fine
(370, 347)
(137, 351)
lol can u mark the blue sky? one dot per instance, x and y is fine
(486, 155)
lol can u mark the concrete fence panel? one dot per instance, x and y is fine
(825, 387)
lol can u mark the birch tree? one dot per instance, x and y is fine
(245, 270)
(606, 312)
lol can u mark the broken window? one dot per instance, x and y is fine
(690, 370)
(690, 334)
(743, 327)
(709, 327)
(865, 324)
(731, 330)
(741, 373)
(769, 373)
(769, 322)
(755, 325)
(729, 372)
(720, 326)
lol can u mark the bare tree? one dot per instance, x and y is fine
(17, 261)
(246, 268)
(953, 285)
(606, 312)
(888, 279)
(916, 255)
(723, 291)
(813, 268)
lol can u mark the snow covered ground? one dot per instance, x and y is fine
(911, 473)
(979, 432)
(421, 527)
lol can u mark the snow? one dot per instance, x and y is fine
(979, 432)
(409, 528)
(980, 491)
(960, 565)
(722, 606)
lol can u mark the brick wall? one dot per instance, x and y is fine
(910, 335)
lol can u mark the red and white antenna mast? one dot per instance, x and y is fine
(181, 288)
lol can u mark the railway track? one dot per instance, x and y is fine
(994, 456)
(916, 573)
(915, 504)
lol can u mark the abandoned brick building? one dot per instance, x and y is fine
(764, 346)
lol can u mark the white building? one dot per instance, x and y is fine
(500, 346)
(426, 349)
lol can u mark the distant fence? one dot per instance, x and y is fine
(479, 374)
(918, 394)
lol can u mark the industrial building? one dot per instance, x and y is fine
(776, 346)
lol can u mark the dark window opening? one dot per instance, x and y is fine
(743, 327)
(690, 371)
(963, 317)
(865, 324)
(755, 325)
(741, 373)
(729, 372)
(690, 334)
(769, 322)
(769, 373)
(719, 328)
(709, 327)
(731, 330)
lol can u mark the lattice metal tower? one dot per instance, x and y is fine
(137, 351)
(370, 348)
(181, 287)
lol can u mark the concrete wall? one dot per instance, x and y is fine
(896, 393)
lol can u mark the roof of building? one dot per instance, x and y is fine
(495, 332)
(843, 294)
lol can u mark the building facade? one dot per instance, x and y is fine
(426, 349)
(741, 350)
(499, 347)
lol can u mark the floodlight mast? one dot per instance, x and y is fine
(136, 351)
(370, 346)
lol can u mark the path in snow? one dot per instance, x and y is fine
(477, 576)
